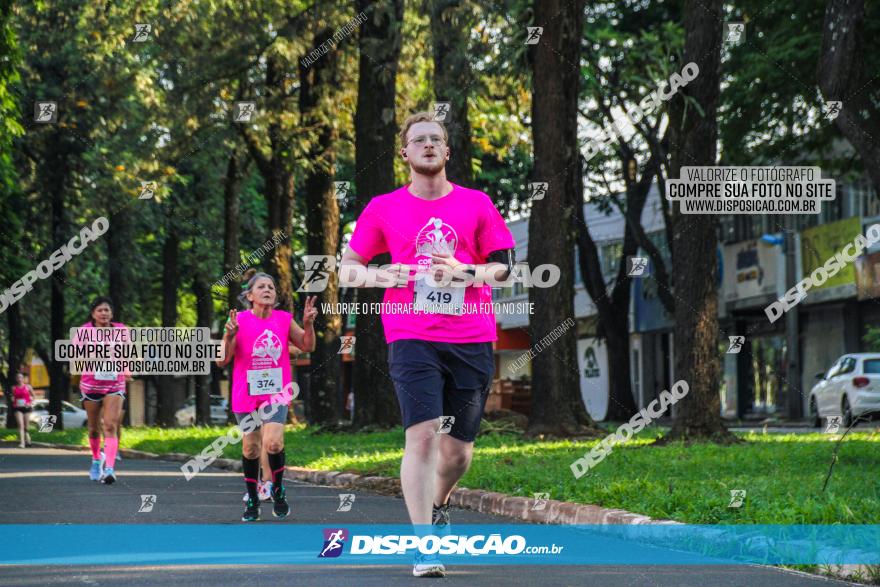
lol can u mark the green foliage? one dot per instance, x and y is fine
(629, 50)
(772, 110)
(871, 339)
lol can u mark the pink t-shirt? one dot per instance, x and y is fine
(261, 364)
(21, 396)
(101, 382)
(463, 223)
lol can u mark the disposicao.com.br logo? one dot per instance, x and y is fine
(453, 544)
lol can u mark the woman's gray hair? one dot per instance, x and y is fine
(242, 297)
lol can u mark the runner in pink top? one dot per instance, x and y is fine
(256, 341)
(463, 224)
(439, 337)
(22, 405)
(260, 346)
(102, 398)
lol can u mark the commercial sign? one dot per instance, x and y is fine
(750, 270)
(820, 243)
(593, 367)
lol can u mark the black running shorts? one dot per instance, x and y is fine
(435, 379)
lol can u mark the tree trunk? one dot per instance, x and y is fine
(318, 97)
(201, 287)
(621, 404)
(166, 386)
(843, 76)
(698, 414)
(612, 308)
(278, 180)
(279, 191)
(58, 380)
(451, 24)
(118, 245)
(231, 254)
(379, 42)
(557, 405)
(204, 318)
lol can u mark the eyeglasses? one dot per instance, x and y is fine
(422, 139)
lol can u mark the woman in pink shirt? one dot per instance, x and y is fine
(256, 341)
(102, 396)
(22, 404)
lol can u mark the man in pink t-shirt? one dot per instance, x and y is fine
(439, 335)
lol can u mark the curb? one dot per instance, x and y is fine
(485, 502)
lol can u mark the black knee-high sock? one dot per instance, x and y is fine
(276, 463)
(251, 470)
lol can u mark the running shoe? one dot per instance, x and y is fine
(440, 515)
(96, 471)
(251, 511)
(265, 491)
(109, 477)
(280, 509)
(428, 565)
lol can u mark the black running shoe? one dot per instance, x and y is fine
(251, 511)
(109, 477)
(280, 509)
(440, 515)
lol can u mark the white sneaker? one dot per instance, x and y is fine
(96, 471)
(428, 565)
(264, 490)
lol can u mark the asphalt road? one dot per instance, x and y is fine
(47, 486)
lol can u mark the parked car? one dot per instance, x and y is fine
(73, 416)
(850, 388)
(186, 416)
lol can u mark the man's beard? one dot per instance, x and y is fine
(430, 169)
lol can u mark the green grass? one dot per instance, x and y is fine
(782, 474)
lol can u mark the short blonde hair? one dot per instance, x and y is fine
(422, 116)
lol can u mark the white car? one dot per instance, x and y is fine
(73, 416)
(850, 388)
(186, 416)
